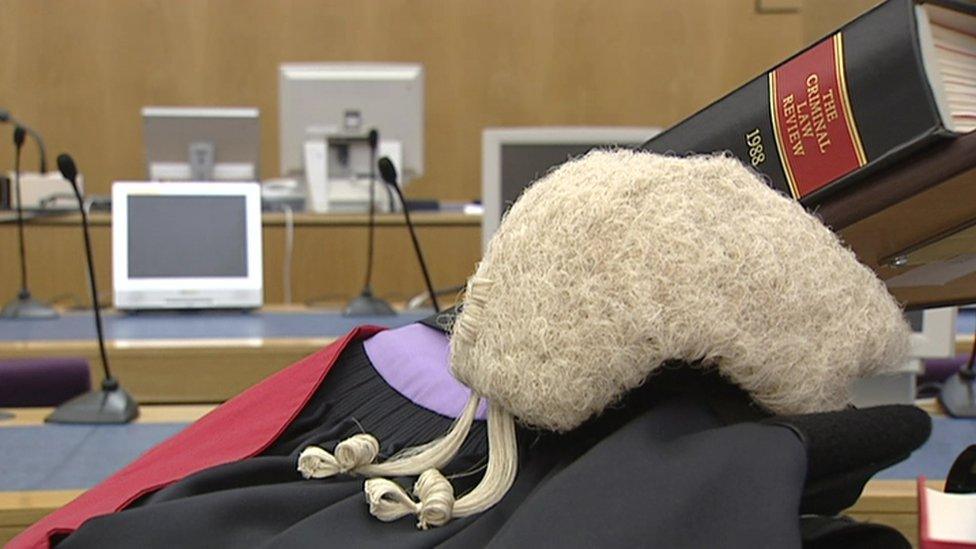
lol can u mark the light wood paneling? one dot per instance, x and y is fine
(894, 503)
(329, 260)
(18, 510)
(80, 70)
(821, 17)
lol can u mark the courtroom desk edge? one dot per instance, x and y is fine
(148, 414)
(421, 219)
(156, 371)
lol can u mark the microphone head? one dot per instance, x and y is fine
(374, 139)
(4, 115)
(388, 171)
(19, 135)
(66, 165)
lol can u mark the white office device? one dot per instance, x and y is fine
(186, 245)
(49, 191)
(327, 111)
(512, 158)
(202, 143)
(933, 336)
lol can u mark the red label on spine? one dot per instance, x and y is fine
(815, 132)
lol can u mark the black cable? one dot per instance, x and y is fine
(367, 285)
(968, 372)
(40, 147)
(70, 172)
(18, 147)
(389, 175)
(94, 290)
(420, 254)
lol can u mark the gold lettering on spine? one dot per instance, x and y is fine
(818, 118)
(777, 137)
(845, 99)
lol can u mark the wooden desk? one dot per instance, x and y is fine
(188, 358)
(328, 263)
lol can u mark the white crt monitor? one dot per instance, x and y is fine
(202, 143)
(512, 158)
(351, 99)
(186, 245)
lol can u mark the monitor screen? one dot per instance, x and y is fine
(188, 236)
(916, 320)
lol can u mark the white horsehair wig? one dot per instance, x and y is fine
(616, 263)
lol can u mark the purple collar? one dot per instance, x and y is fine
(415, 361)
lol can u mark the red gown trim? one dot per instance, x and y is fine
(240, 428)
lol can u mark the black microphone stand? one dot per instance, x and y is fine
(958, 395)
(366, 304)
(389, 174)
(111, 404)
(24, 305)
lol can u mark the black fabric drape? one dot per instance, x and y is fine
(680, 462)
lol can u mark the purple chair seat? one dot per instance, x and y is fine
(940, 369)
(42, 381)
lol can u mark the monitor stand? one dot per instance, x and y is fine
(25, 306)
(368, 305)
(202, 157)
(958, 395)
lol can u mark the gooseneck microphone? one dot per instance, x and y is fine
(389, 174)
(19, 135)
(366, 304)
(112, 404)
(24, 305)
(374, 140)
(5, 116)
(40, 147)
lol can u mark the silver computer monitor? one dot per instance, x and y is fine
(202, 143)
(186, 245)
(348, 100)
(512, 158)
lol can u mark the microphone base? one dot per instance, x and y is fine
(367, 305)
(25, 306)
(105, 406)
(958, 396)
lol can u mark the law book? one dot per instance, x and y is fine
(890, 84)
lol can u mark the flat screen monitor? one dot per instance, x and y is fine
(348, 100)
(202, 143)
(512, 158)
(186, 245)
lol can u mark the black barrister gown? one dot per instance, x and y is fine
(684, 461)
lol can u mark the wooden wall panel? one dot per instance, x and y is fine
(824, 16)
(80, 70)
(328, 263)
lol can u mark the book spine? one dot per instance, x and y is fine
(827, 116)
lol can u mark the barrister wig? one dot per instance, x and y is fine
(616, 263)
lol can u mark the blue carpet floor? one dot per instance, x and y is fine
(59, 457)
(202, 325)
